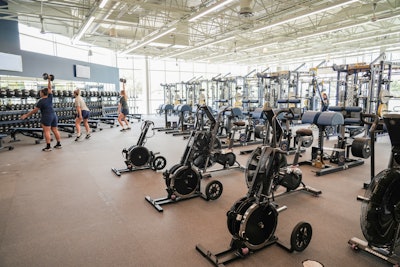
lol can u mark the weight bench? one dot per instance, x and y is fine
(67, 127)
(1, 143)
(30, 132)
(93, 124)
(352, 119)
(135, 116)
(107, 120)
(323, 120)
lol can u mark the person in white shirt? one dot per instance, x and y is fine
(82, 114)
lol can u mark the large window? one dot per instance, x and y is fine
(152, 82)
(56, 45)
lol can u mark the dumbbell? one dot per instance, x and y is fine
(122, 80)
(47, 76)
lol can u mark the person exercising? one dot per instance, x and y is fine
(49, 117)
(325, 102)
(123, 109)
(82, 114)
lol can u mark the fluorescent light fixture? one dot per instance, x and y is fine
(366, 38)
(201, 46)
(83, 29)
(149, 40)
(210, 9)
(332, 30)
(159, 44)
(305, 15)
(177, 46)
(103, 3)
(258, 46)
(217, 56)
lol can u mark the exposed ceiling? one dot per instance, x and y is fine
(241, 31)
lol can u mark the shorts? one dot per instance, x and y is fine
(49, 120)
(85, 114)
(125, 111)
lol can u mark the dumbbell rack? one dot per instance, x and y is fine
(13, 105)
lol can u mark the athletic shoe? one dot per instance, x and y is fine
(88, 136)
(128, 128)
(122, 130)
(58, 146)
(77, 138)
(46, 149)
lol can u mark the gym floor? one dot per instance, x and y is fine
(67, 208)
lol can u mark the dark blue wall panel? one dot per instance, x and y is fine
(35, 64)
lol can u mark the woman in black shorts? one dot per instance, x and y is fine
(123, 109)
(49, 118)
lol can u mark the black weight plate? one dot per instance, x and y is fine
(258, 225)
(260, 131)
(171, 171)
(213, 190)
(232, 215)
(379, 216)
(139, 155)
(185, 181)
(159, 163)
(301, 236)
(361, 147)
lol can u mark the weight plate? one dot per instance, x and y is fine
(380, 215)
(232, 216)
(185, 181)
(171, 173)
(361, 147)
(301, 236)
(241, 208)
(258, 225)
(139, 155)
(253, 162)
(284, 145)
(230, 158)
(213, 190)
(260, 131)
(159, 163)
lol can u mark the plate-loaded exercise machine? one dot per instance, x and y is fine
(380, 208)
(183, 180)
(252, 220)
(138, 157)
(372, 121)
(340, 152)
(289, 176)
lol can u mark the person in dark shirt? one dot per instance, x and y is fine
(123, 109)
(49, 118)
(325, 102)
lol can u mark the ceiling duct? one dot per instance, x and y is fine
(245, 8)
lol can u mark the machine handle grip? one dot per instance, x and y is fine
(373, 123)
